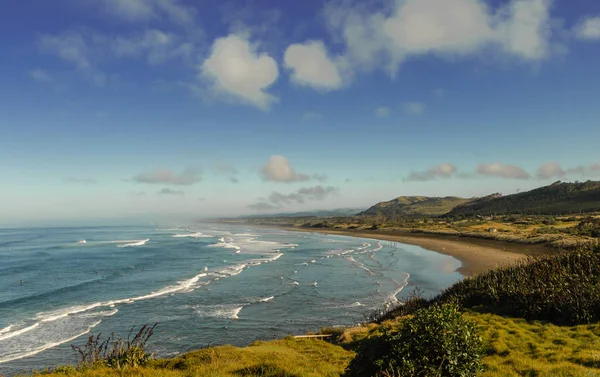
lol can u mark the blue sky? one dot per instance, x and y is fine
(148, 109)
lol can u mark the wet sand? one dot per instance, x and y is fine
(477, 255)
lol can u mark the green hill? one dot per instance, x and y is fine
(415, 206)
(558, 198)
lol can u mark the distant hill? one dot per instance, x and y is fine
(341, 212)
(415, 206)
(555, 199)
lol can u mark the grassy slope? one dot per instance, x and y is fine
(415, 205)
(287, 357)
(515, 347)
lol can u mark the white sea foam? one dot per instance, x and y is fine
(192, 235)
(401, 286)
(5, 330)
(267, 299)
(45, 346)
(219, 311)
(11, 334)
(136, 243)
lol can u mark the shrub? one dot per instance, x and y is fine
(436, 341)
(563, 289)
(116, 352)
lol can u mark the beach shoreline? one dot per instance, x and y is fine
(476, 255)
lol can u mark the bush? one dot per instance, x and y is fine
(436, 341)
(563, 289)
(116, 352)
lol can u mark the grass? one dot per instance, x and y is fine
(514, 348)
(288, 357)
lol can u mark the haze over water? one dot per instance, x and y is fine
(204, 284)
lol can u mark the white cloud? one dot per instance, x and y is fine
(157, 45)
(40, 75)
(527, 31)
(234, 68)
(497, 169)
(446, 28)
(188, 177)
(550, 170)
(70, 47)
(311, 66)
(445, 170)
(382, 112)
(73, 48)
(414, 108)
(279, 169)
(588, 28)
(302, 195)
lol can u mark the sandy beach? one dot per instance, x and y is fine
(476, 255)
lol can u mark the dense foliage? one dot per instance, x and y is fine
(556, 199)
(563, 289)
(436, 341)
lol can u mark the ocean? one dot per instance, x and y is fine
(203, 283)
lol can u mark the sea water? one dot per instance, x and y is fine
(204, 284)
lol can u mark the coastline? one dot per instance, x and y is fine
(476, 255)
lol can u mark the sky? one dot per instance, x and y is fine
(148, 109)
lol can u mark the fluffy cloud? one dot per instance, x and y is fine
(414, 108)
(40, 75)
(279, 169)
(235, 69)
(445, 170)
(311, 66)
(302, 195)
(446, 28)
(167, 191)
(161, 176)
(382, 112)
(497, 169)
(554, 170)
(588, 28)
(550, 170)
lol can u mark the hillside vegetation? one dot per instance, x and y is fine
(414, 206)
(560, 198)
